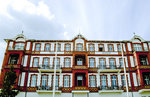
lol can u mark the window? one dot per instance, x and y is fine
(46, 62)
(92, 81)
(67, 62)
(47, 47)
(101, 47)
(19, 46)
(146, 78)
(114, 80)
(92, 62)
(58, 47)
(104, 81)
(44, 80)
(35, 62)
(145, 46)
(33, 80)
(110, 47)
(13, 59)
(79, 61)
(66, 81)
(102, 63)
(143, 59)
(119, 47)
(137, 47)
(67, 47)
(56, 81)
(112, 63)
(123, 80)
(91, 47)
(79, 47)
(80, 80)
(37, 47)
(57, 63)
(121, 62)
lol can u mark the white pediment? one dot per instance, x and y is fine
(137, 39)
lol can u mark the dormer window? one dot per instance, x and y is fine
(137, 47)
(19, 46)
(79, 47)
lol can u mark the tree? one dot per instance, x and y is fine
(8, 89)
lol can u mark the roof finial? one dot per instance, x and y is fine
(134, 33)
(22, 32)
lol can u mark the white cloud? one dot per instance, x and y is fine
(26, 6)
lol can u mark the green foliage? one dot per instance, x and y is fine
(8, 83)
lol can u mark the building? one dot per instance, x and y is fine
(84, 68)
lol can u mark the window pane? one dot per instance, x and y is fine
(112, 64)
(66, 81)
(110, 47)
(44, 80)
(79, 47)
(92, 81)
(67, 62)
(67, 48)
(33, 81)
(46, 61)
(92, 62)
(101, 48)
(103, 81)
(79, 61)
(19, 46)
(114, 81)
(102, 64)
(36, 62)
(91, 47)
(123, 81)
(47, 47)
(119, 48)
(37, 47)
(137, 47)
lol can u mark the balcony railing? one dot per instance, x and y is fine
(16, 48)
(49, 68)
(112, 89)
(43, 89)
(111, 68)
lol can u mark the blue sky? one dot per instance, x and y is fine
(62, 19)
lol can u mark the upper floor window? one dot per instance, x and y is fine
(79, 61)
(79, 47)
(110, 48)
(19, 46)
(121, 62)
(58, 47)
(123, 80)
(57, 63)
(47, 47)
(66, 81)
(119, 47)
(37, 47)
(137, 47)
(92, 62)
(146, 78)
(114, 80)
(35, 62)
(92, 81)
(102, 63)
(33, 80)
(56, 82)
(67, 62)
(143, 59)
(44, 80)
(67, 47)
(103, 81)
(46, 61)
(91, 47)
(101, 47)
(13, 59)
(112, 63)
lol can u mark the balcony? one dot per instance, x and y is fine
(111, 68)
(80, 67)
(144, 89)
(80, 90)
(110, 89)
(16, 48)
(16, 66)
(48, 89)
(47, 68)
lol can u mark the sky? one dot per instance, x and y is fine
(64, 19)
